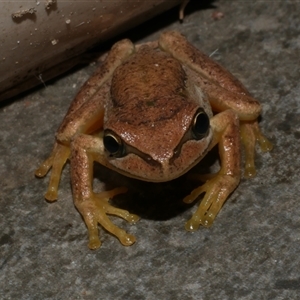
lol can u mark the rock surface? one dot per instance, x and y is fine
(250, 252)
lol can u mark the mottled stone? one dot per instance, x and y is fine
(250, 252)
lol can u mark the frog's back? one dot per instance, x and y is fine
(151, 100)
(148, 75)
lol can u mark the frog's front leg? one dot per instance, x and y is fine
(217, 189)
(94, 208)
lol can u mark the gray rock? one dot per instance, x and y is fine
(250, 252)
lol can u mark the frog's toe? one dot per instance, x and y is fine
(216, 191)
(96, 209)
(127, 239)
(51, 194)
(124, 238)
(111, 210)
(250, 136)
(203, 216)
(56, 162)
(196, 220)
(192, 224)
(94, 242)
(264, 143)
(43, 169)
(98, 216)
(124, 214)
(194, 194)
(250, 171)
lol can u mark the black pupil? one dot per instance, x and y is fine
(111, 144)
(201, 124)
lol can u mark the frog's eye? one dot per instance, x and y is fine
(200, 125)
(113, 144)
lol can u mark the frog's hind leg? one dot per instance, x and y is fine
(223, 90)
(87, 118)
(247, 109)
(115, 57)
(85, 115)
(250, 134)
(56, 161)
(177, 45)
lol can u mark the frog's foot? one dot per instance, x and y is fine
(56, 161)
(217, 190)
(250, 134)
(95, 210)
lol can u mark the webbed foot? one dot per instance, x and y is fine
(56, 161)
(95, 211)
(250, 135)
(217, 190)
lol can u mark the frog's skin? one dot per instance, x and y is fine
(147, 113)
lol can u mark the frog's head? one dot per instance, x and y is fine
(155, 141)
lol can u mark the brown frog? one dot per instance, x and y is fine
(152, 112)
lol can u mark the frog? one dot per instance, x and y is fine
(152, 112)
